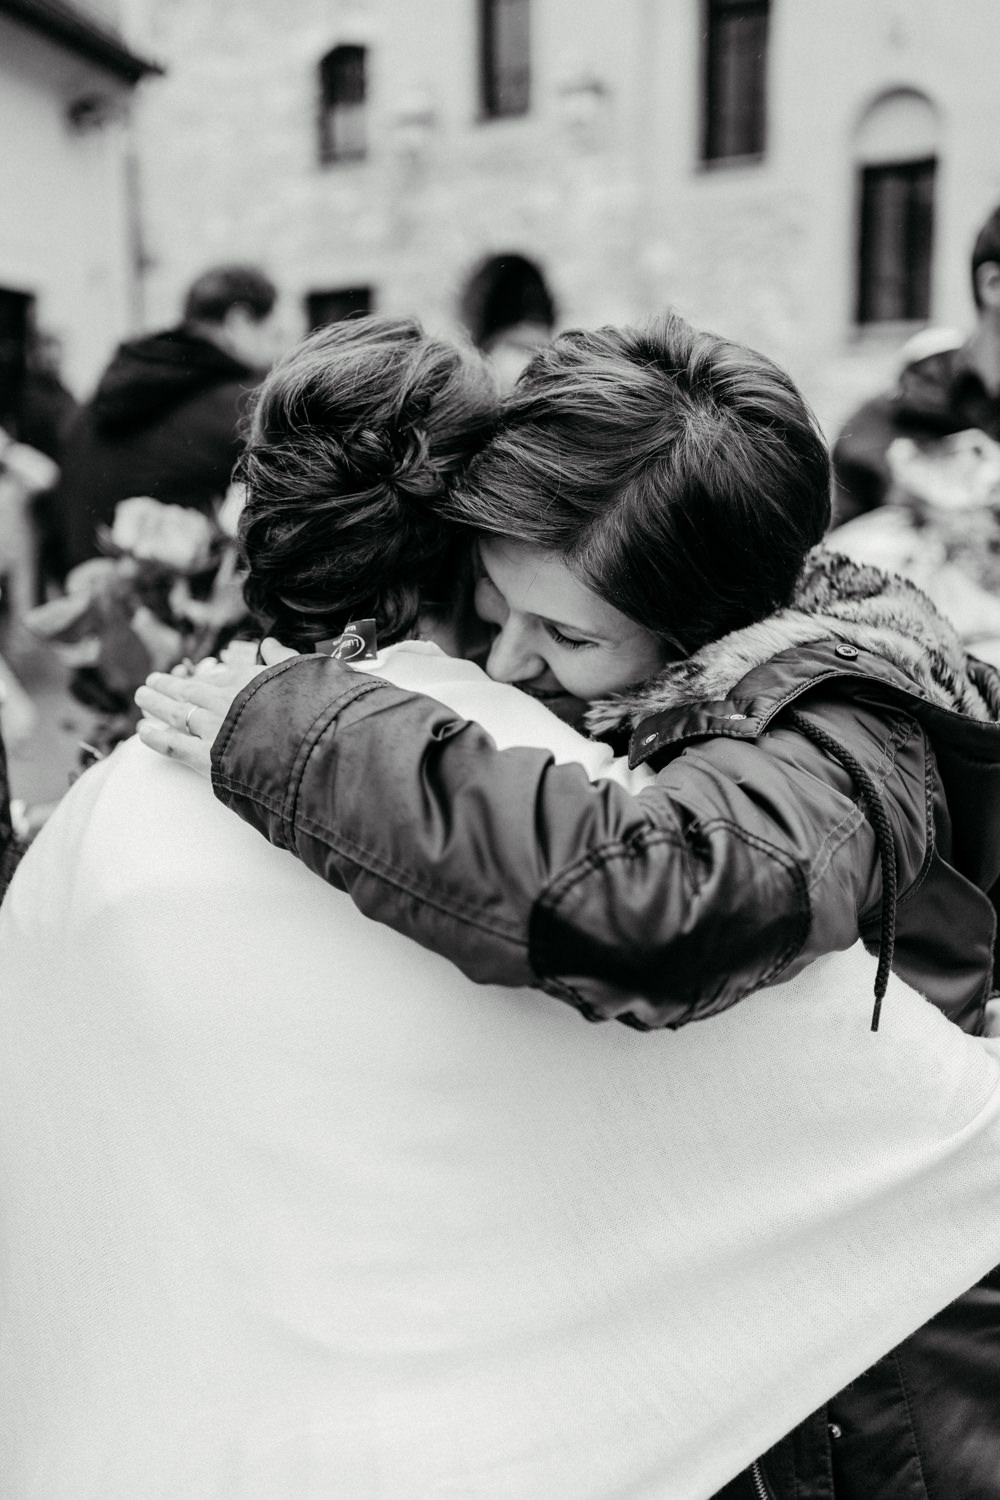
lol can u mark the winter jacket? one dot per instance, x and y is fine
(798, 761)
(834, 770)
(935, 396)
(164, 422)
(921, 1424)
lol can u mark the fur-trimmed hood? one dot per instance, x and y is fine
(835, 599)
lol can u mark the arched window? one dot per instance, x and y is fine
(343, 134)
(896, 150)
(509, 311)
(506, 291)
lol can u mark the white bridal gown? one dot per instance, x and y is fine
(290, 1210)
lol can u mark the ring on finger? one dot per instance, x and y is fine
(187, 720)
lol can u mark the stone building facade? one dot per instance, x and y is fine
(67, 231)
(764, 165)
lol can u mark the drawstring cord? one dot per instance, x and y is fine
(874, 806)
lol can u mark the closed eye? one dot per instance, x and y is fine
(565, 640)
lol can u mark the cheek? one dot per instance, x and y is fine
(593, 674)
(582, 673)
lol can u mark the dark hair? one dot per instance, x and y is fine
(216, 291)
(355, 438)
(986, 248)
(681, 475)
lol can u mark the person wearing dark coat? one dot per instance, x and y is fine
(164, 420)
(940, 390)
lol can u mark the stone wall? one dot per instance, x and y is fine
(599, 185)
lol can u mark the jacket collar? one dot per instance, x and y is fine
(846, 620)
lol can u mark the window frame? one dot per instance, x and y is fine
(492, 68)
(332, 152)
(714, 127)
(362, 296)
(915, 248)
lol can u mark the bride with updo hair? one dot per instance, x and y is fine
(354, 442)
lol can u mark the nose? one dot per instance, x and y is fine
(512, 656)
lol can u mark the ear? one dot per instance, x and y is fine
(988, 284)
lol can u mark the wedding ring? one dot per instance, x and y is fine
(187, 720)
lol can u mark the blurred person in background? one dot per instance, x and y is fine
(46, 406)
(35, 408)
(918, 468)
(46, 412)
(944, 386)
(25, 475)
(35, 412)
(164, 420)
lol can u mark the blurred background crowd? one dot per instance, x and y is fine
(190, 185)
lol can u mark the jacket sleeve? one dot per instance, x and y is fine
(655, 909)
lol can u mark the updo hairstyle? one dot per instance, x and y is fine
(680, 475)
(354, 439)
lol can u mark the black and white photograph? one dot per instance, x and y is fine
(499, 750)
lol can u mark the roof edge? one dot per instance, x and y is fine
(68, 27)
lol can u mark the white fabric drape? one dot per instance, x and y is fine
(289, 1210)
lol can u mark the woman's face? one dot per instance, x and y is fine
(555, 638)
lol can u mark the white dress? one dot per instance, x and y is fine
(291, 1210)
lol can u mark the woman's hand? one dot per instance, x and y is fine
(184, 713)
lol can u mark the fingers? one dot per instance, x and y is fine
(209, 666)
(159, 706)
(180, 721)
(201, 720)
(241, 654)
(193, 702)
(186, 748)
(191, 723)
(273, 651)
(213, 669)
(207, 692)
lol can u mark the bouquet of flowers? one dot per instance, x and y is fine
(166, 588)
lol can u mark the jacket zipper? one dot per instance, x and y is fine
(760, 1484)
